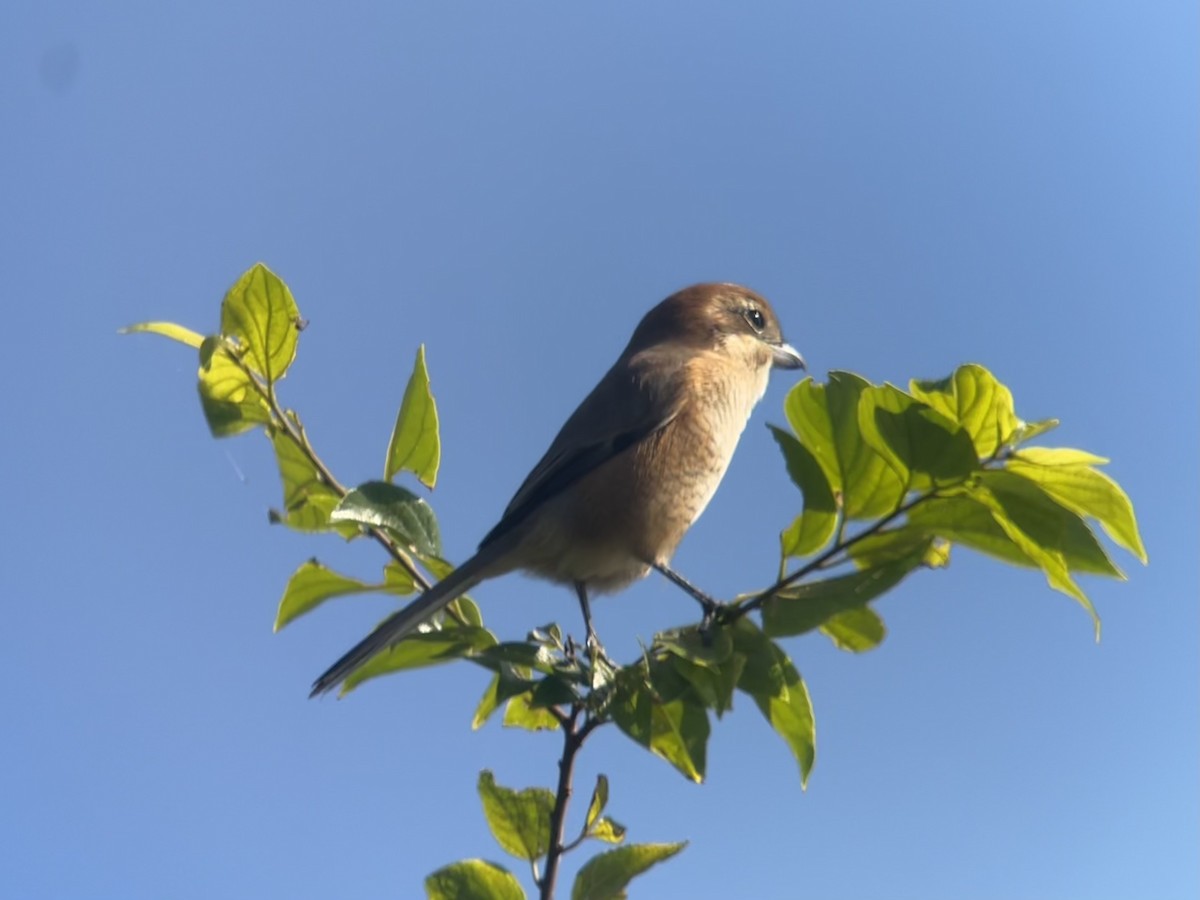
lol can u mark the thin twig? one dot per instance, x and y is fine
(574, 735)
(297, 435)
(818, 562)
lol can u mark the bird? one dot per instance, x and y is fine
(631, 469)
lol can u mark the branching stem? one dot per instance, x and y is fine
(574, 734)
(820, 561)
(295, 433)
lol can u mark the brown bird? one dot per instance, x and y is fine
(632, 468)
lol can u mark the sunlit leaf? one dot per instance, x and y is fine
(399, 580)
(1067, 476)
(467, 610)
(922, 446)
(1042, 529)
(1027, 431)
(307, 499)
(488, 703)
(975, 399)
(679, 734)
(967, 522)
(519, 820)
(605, 876)
(312, 584)
(807, 411)
(813, 528)
(672, 724)
(167, 330)
(771, 679)
(402, 514)
(892, 544)
(598, 802)
(825, 418)
(855, 630)
(260, 314)
(508, 682)
(607, 830)
(421, 649)
(415, 445)
(521, 713)
(473, 879)
(809, 605)
(229, 399)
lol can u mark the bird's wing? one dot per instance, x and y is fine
(636, 398)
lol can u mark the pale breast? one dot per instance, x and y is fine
(634, 509)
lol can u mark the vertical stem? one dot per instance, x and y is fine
(573, 737)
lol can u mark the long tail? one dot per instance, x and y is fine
(396, 626)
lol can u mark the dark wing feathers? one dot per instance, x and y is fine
(635, 399)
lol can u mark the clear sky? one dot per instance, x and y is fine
(914, 185)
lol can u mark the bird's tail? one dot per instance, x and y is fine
(397, 625)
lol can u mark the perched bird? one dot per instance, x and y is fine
(634, 465)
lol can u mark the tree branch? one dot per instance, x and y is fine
(574, 735)
(732, 614)
(295, 432)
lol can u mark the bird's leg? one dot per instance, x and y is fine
(707, 603)
(591, 642)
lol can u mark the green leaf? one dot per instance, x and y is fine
(892, 544)
(260, 314)
(607, 830)
(421, 649)
(965, 521)
(488, 703)
(807, 411)
(973, 398)
(804, 607)
(605, 876)
(467, 610)
(473, 879)
(307, 499)
(672, 724)
(167, 330)
(923, 447)
(815, 525)
(777, 689)
(508, 682)
(402, 514)
(1050, 523)
(519, 820)
(229, 399)
(1046, 532)
(1067, 476)
(552, 690)
(714, 685)
(599, 801)
(415, 445)
(525, 654)
(825, 418)
(521, 713)
(398, 580)
(1027, 431)
(311, 585)
(855, 630)
(691, 644)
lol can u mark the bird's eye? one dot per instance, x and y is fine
(755, 318)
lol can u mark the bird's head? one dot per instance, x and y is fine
(726, 318)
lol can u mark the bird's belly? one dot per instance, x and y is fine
(608, 528)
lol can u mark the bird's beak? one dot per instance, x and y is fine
(785, 356)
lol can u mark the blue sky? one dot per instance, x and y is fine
(913, 185)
